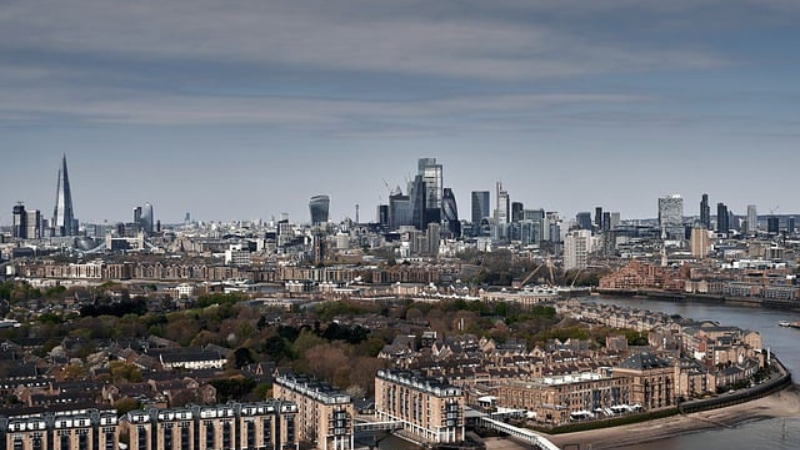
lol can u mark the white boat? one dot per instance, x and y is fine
(784, 323)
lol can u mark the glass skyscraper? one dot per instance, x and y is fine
(64, 221)
(319, 207)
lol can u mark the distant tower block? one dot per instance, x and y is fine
(64, 221)
(319, 206)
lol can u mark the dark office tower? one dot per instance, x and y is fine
(723, 220)
(584, 220)
(606, 221)
(158, 226)
(383, 215)
(773, 225)
(705, 212)
(137, 215)
(20, 225)
(598, 218)
(516, 211)
(63, 216)
(790, 225)
(417, 195)
(480, 206)
(188, 219)
(450, 212)
(319, 207)
(399, 209)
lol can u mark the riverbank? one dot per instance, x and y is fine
(782, 404)
(671, 296)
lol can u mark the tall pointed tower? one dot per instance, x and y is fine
(63, 216)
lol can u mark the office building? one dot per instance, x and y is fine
(480, 206)
(450, 212)
(431, 410)
(530, 232)
(325, 416)
(502, 213)
(606, 222)
(260, 425)
(700, 241)
(399, 209)
(19, 229)
(614, 221)
(535, 215)
(319, 207)
(598, 218)
(147, 220)
(60, 429)
(773, 225)
(584, 220)
(383, 215)
(670, 216)
(577, 246)
(552, 228)
(33, 224)
(137, 215)
(752, 219)
(517, 211)
(432, 175)
(723, 219)
(790, 225)
(734, 221)
(64, 222)
(705, 212)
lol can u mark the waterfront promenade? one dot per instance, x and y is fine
(782, 404)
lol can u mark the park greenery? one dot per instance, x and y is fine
(325, 341)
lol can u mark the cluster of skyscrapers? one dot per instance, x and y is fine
(31, 225)
(426, 201)
(671, 219)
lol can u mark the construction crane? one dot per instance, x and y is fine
(533, 273)
(580, 269)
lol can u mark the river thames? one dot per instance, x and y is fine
(762, 434)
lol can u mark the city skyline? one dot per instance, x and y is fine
(261, 205)
(571, 105)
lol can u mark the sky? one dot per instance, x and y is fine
(244, 109)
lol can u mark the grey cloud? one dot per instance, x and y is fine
(398, 37)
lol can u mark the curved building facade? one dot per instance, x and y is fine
(147, 219)
(319, 207)
(450, 212)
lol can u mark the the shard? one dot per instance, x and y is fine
(64, 222)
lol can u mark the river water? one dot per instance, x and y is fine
(763, 434)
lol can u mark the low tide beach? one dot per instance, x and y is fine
(784, 404)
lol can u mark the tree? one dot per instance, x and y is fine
(123, 371)
(242, 356)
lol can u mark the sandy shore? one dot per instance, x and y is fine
(782, 404)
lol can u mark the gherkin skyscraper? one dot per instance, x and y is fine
(64, 222)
